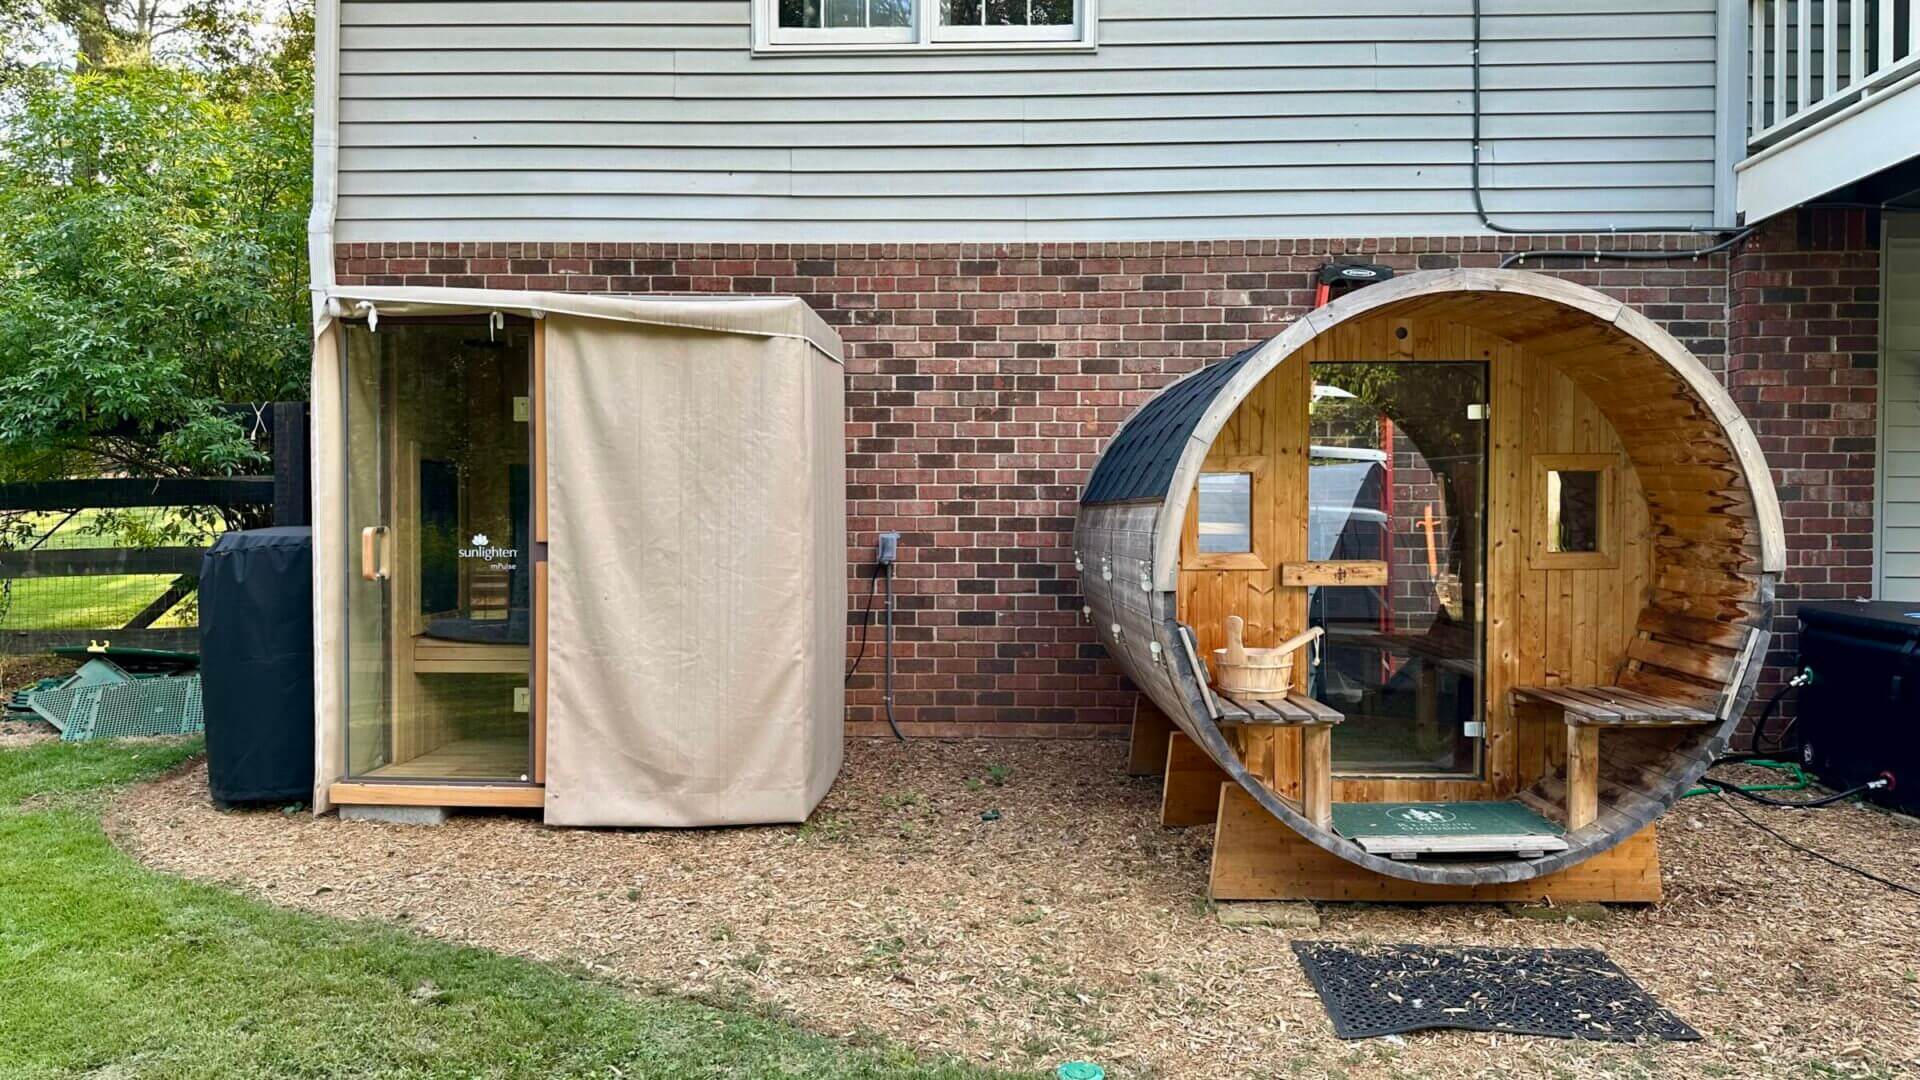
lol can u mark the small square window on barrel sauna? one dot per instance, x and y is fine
(1521, 547)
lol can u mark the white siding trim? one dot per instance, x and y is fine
(655, 120)
(1896, 504)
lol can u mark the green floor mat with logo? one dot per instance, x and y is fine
(1409, 830)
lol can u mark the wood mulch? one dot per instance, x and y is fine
(19, 671)
(1018, 903)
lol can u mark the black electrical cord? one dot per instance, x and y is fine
(866, 622)
(1805, 850)
(889, 677)
(1487, 222)
(1754, 749)
(1790, 804)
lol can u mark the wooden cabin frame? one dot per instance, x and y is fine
(1610, 679)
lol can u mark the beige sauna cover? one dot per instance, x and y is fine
(696, 558)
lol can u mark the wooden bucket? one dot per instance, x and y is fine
(1257, 674)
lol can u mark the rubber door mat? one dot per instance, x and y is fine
(1565, 993)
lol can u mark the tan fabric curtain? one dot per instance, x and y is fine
(697, 601)
(329, 566)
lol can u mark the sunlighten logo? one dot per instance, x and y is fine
(482, 548)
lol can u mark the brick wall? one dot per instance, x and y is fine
(1803, 357)
(982, 382)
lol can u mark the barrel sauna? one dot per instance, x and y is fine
(1543, 542)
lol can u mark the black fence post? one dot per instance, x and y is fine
(292, 487)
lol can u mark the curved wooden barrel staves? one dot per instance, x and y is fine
(1672, 646)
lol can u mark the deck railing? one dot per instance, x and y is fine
(1814, 59)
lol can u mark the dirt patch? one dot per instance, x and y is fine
(20, 671)
(1018, 903)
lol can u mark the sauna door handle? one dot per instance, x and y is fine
(373, 553)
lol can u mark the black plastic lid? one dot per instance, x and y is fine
(1879, 618)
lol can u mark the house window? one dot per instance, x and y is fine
(891, 25)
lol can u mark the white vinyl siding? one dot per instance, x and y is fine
(1900, 414)
(652, 120)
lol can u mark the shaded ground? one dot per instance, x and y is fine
(15, 673)
(1072, 925)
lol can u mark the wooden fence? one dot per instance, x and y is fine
(286, 492)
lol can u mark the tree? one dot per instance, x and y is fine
(152, 261)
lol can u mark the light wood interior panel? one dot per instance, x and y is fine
(1560, 626)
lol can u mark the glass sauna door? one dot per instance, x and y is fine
(1396, 487)
(439, 583)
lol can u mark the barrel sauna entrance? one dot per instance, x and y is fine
(1539, 543)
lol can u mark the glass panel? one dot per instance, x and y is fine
(890, 12)
(844, 13)
(369, 725)
(1397, 475)
(1006, 12)
(800, 14)
(1051, 12)
(1573, 510)
(1226, 513)
(960, 12)
(439, 451)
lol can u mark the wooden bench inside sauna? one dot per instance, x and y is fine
(1520, 547)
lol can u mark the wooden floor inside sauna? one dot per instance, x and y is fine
(500, 757)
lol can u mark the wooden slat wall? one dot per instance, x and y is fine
(1558, 626)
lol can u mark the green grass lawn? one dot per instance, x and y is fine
(108, 969)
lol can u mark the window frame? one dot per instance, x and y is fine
(1606, 555)
(924, 33)
(1259, 497)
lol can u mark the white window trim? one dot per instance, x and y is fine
(926, 34)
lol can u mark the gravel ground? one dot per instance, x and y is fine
(1017, 902)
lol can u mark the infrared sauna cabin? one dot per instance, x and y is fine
(580, 554)
(1540, 545)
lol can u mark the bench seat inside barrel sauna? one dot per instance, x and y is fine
(1537, 542)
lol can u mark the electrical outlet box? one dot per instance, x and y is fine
(522, 699)
(887, 549)
(522, 410)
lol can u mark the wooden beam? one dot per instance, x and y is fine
(180, 638)
(347, 793)
(1335, 572)
(1316, 774)
(94, 562)
(1583, 775)
(292, 477)
(119, 493)
(1147, 743)
(1255, 857)
(176, 591)
(1192, 792)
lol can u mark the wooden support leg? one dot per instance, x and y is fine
(1255, 857)
(1316, 774)
(1583, 775)
(1147, 748)
(1192, 792)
